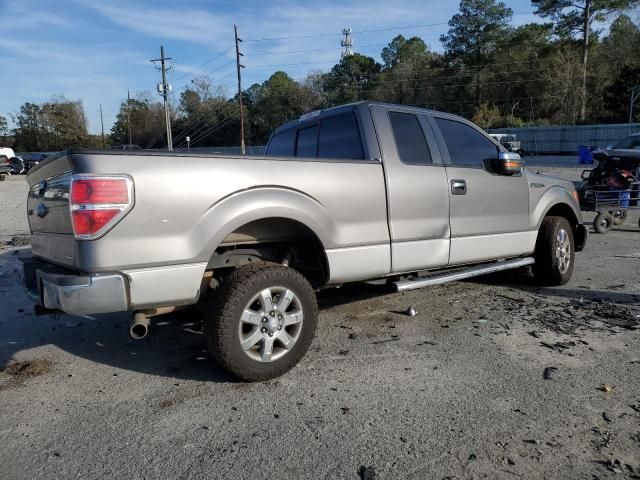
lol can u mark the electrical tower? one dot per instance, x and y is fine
(164, 88)
(346, 43)
(239, 66)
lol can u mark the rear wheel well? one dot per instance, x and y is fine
(278, 240)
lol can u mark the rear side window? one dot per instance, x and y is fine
(410, 140)
(340, 138)
(467, 147)
(283, 144)
(307, 144)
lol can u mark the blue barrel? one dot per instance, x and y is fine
(584, 154)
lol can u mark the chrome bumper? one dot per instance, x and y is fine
(55, 288)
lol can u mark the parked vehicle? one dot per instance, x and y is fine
(9, 163)
(31, 159)
(508, 141)
(353, 193)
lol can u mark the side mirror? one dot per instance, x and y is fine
(507, 163)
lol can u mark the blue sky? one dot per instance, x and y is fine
(96, 50)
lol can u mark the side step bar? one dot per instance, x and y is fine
(461, 274)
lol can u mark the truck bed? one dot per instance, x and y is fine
(186, 204)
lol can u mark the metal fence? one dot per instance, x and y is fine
(566, 139)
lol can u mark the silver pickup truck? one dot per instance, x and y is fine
(359, 192)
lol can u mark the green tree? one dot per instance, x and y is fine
(28, 134)
(276, 101)
(354, 78)
(486, 116)
(63, 123)
(617, 96)
(406, 76)
(576, 17)
(5, 138)
(474, 36)
(146, 119)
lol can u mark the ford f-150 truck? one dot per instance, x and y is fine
(364, 191)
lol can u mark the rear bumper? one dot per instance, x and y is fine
(55, 288)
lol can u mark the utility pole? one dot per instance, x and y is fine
(102, 125)
(129, 115)
(164, 88)
(238, 67)
(635, 94)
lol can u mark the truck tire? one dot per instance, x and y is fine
(603, 223)
(262, 321)
(554, 253)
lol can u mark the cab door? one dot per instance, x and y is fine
(417, 191)
(489, 212)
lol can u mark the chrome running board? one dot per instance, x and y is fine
(460, 274)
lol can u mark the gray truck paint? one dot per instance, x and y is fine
(374, 218)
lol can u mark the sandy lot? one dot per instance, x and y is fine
(494, 378)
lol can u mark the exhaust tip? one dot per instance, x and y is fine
(139, 326)
(138, 331)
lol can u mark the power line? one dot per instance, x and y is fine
(206, 124)
(212, 71)
(202, 65)
(224, 110)
(403, 27)
(204, 132)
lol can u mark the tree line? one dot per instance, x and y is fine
(562, 71)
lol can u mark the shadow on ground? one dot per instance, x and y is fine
(175, 346)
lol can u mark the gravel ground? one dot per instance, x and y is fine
(494, 378)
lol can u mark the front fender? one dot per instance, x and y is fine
(552, 197)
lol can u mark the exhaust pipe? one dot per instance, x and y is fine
(139, 326)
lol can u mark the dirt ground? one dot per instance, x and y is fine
(493, 378)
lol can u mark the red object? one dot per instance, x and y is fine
(99, 191)
(88, 195)
(88, 222)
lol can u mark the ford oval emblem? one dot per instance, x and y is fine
(42, 210)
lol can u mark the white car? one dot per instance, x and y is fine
(9, 163)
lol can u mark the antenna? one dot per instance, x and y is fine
(346, 43)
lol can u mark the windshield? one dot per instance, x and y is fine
(632, 142)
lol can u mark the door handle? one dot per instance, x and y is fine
(458, 187)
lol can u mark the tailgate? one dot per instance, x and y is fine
(48, 211)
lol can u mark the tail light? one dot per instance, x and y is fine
(98, 203)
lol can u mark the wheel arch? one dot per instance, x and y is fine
(271, 216)
(558, 201)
